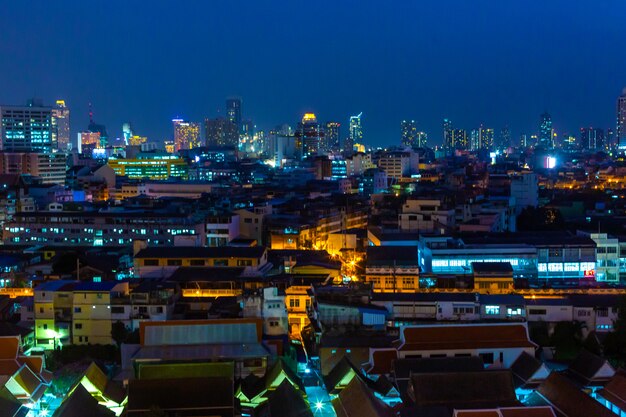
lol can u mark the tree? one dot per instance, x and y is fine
(119, 333)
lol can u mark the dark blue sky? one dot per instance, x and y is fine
(498, 62)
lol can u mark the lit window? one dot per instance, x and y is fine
(492, 310)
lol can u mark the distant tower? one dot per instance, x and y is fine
(127, 131)
(621, 121)
(504, 140)
(309, 136)
(233, 111)
(448, 138)
(61, 126)
(332, 136)
(545, 131)
(186, 134)
(408, 133)
(356, 131)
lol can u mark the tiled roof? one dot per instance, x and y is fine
(449, 337)
(382, 360)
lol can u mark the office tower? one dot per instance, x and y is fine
(61, 126)
(545, 131)
(356, 132)
(26, 128)
(591, 138)
(621, 121)
(88, 141)
(448, 140)
(186, 134)
(504, 141)
(459, 139)
(127, 131)
(408, 133)
(474, 142)
(486, 137)
(233, 111)
(309, 136)
(422, 139)
(221, 132)
(332, 136)
(609, 143)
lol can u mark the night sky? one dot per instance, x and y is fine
(497, 62)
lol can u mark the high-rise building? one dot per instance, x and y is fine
(408, 133)
(448, 140)
(94, 127)
(609, 142)
(422, 139)
(61, 126)
(186, 134)
(221, 132)
(545, 131)
(87, 142)
(309, 136)
(620, 132)
(459, 139)
(26, 128)
(233, 112)
(127, 131)
(332, 136)
(591, 138)
(504, 140)
(356, 132)
(486, 137)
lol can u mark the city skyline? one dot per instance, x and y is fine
(512, 69)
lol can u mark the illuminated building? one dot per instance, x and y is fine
(186, 134)
(392, 268)
(233, 112)
(127, 131)
(481, 138)
(356, 133)
(26, 128)
(169, 146)
(448, 139)
(621, 120)
(155, 166)
(591, 138)
(137, 140)
(50, 167)
(504, 141)
(88, 141)
(545, 131)
(332, 136)
(309, 136)
(221, 132)
(459, 139)
(408, 132)
(61, 126)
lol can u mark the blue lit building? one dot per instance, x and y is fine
(26, 128)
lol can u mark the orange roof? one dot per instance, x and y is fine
(34, 362)
(9, 346)
(382, 360)
(8, 366)
(444, 337)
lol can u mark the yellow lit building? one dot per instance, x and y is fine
(53, 301)
(392, 269)
(155, 166)
(492, 277)
(137, 140)
(92, 311)
(186, 134)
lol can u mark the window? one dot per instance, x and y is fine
(584, 313)
(537, 311)
(45, 327)
(77, 309)
(463, 310)
(220, 262)
(462, 355)
(159, 310)
(516, 311)
(602, 312)
(117, 310)
(492, 310)
(196, 262)
(438, 355)
(244, 262)
(408, 282)
(174, 262)
(78, 326)
(151, 262)
(487, 358)
(294, 302)
(41, 309)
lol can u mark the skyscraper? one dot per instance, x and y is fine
(621, 121)
(61, 126)
(332, 136)
(504, 140)
(127, 131)
(94, 127)
(408, 133)
(186, 134)
(422, 139)
(545, 131)
(309, 136)
(486, 137)
(459, 139)
(591, 138)
(26, 128)
(448, 140)
(356, 132)
(221, 132)
(233, 111)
